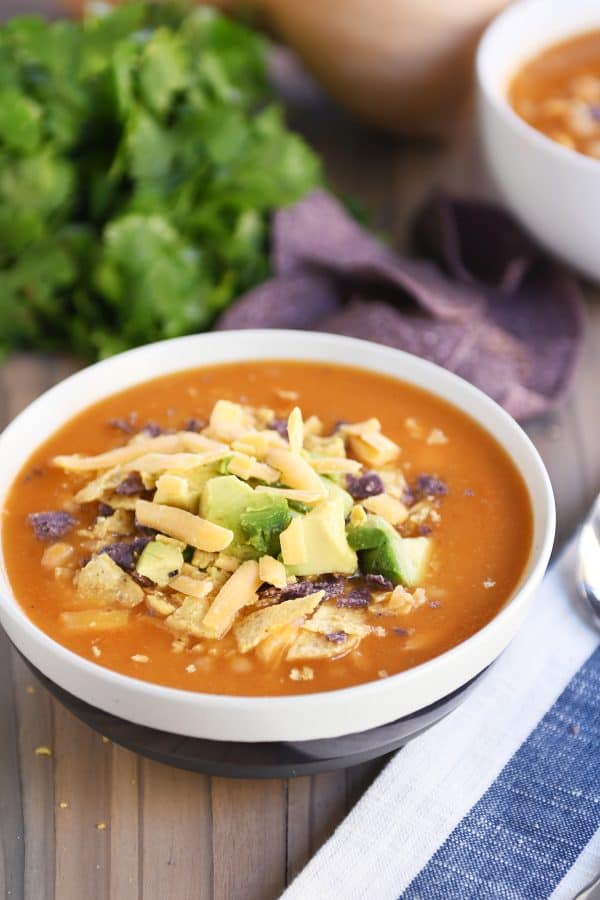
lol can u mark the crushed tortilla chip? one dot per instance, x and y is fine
(102, 582)
(330, 619)
(260, 624)
(311, 645)
(272, 650)
(187, 619)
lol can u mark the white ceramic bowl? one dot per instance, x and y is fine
(553, 191)
(312, 716)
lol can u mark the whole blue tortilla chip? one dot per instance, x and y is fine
(363, 486)
(319, 235)
(286, 302)
(356, 599)
(50, 525)
(487, 303)
(475, 242)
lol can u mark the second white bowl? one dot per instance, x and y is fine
(553, 191)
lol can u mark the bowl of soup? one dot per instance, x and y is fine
(267, 535)
(538, 72)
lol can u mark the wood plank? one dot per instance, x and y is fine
(249, 858)
(175, 840)
(35, 729)
(360, 778)
(328, 806)
(27, 797)
(12, 826)
(298, 826)
(81, 773)
(124, 882)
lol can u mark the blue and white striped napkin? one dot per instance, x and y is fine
(500, 800)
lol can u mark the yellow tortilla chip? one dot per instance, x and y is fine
(101, 581)
(187, 619)
(310, 645)
(330, 619)
(260, 624)
(273, 648)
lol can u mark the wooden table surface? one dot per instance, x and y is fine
(95, 821)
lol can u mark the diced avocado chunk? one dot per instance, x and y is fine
(334, 490)
(159, 562)
(382, 551)
(175, 490)
(263, 520)
(224, 499)
(327, 548)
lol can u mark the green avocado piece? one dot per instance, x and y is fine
(382, 551)
(327, 549)
(263, 520)
(335, 490)
(224, 499)
(159, 562)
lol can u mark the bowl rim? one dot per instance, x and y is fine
(353, 347)
(507, 21)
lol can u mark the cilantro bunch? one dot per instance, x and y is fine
(140, 162)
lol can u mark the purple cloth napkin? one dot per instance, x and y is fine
(483, 301)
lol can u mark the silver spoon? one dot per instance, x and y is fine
(588, 580)
(588, 561)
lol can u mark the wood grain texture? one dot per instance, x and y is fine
(171, 834)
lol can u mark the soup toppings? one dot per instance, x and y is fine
(558, 92)
(199, 531)
(296, 542)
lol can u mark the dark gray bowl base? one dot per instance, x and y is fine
(273, 759)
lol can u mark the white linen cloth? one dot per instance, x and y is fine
(428, 802)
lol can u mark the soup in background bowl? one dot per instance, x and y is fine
(191, 551)
(558, 93)
(553, 191)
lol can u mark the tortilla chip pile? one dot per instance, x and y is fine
(486, 304)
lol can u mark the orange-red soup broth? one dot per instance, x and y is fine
(558, 93)
(481, 530)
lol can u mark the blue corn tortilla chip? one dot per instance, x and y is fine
(430, 486)
(378, 582)
(48, 526)
(363, 486)
(124, 553)
(286, 302)
(121, 553)
(130, 486)
(476, 243)
(356, 599)
(317, 234)
(280, 426)
(486, 303)
(336, 637)
(299, 589)
(332, 585)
